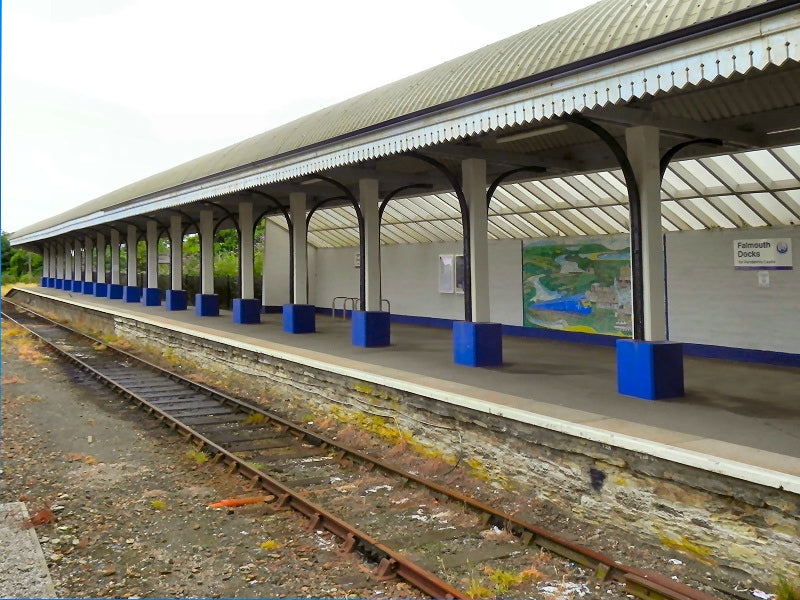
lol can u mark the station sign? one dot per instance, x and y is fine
(763, 254)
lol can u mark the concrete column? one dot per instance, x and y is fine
(78, 262)
(101, 258)
(45, 260)
(151, 295)
(207, 251)
(115, 257)
(176, 297)
(297, 211)
(264, 263)
(152, 254)
(478, 343)
(473, 172)
(643, 153)
(68, 272)
(88, 259)
(370, 262)
(131, 247)
(246, 309)
(45, 280)
(176, 251)
(299, 317)
(651, 368)
(62, 260)
(246, 249)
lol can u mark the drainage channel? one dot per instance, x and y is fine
(431, 536)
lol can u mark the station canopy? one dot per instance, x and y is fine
(723, 75)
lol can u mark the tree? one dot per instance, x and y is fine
(19, 264)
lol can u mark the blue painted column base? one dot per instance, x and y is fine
(650, 370)
(45, 282)
(299, 318)
(88, 288)
(370, 328)
(131, 293)
(151, 297)
(246, 310)
(115, 291)
(59, 284)
(206, 305)
(77, 287)
(477, 344)
(67, 287)
(51, 282)
(101, 290)
(177, 299)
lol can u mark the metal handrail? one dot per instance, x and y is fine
(355, 304)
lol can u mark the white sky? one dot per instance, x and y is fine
(97, 94)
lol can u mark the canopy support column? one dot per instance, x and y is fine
(88, 262)
(246, 309)
(176, 296)
(100, 287)
(206, 303)
(370, 326)
(132, 292)
(151, 295)
(299, 316)
(77, 266)
(45, 265)
(650, 368)
(477, 343)
(115, 288)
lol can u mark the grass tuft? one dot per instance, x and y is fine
(197, 456)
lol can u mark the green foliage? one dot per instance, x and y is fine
(19, 265)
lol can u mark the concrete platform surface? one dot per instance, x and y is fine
(737, 419)
(23, 569)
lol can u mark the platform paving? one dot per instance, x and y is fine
(23, 568)
(738, 419)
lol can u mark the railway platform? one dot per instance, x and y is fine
(736, 419)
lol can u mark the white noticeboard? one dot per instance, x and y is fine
(763, 254)
(446, 276)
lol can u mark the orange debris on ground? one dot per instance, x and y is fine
(233, 502)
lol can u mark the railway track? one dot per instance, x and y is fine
(431, 536)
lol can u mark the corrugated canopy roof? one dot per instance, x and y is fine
(603, 28)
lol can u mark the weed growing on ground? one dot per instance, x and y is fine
(477, 590)
(158, 504)
(25, 345)
(270, 545)
(254, 419)
(197, 456)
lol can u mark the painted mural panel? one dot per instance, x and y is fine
(578, 284)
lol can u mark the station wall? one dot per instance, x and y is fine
(410, 279)
(275, 278)
(710, 302)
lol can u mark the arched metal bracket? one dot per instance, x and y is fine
(670, 154)
(634, 201)
(458, 189)
(388, 198)
(289, 227)
(499, 179)
(348, 195)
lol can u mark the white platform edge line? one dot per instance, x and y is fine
(691, 458)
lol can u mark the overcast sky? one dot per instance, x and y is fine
(97, 94)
